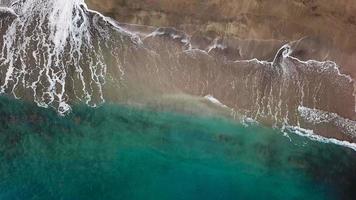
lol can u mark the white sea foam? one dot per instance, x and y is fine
(7, 10)
(68, 24)
(174, 34)
(216, 45)
(311, 135)
(48, 37)
(247, 121)
(316, 116)
(214, 101)
(312, 115)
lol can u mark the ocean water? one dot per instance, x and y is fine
(118, 152)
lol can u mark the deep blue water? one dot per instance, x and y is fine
(117, 152)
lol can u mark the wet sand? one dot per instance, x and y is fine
(328, 27)
(130, 64)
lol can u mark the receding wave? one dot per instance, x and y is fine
(59, 53)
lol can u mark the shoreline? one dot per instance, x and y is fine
(172, 65)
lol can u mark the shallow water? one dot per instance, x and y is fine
(116, 152)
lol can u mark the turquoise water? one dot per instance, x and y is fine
(116, 152)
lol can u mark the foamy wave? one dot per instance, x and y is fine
(70, 30)
(312, 136)
(7, 10)
(214, 101)
(316, 116)
(62, 33)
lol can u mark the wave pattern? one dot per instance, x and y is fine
(46, 41)
(60, 52)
